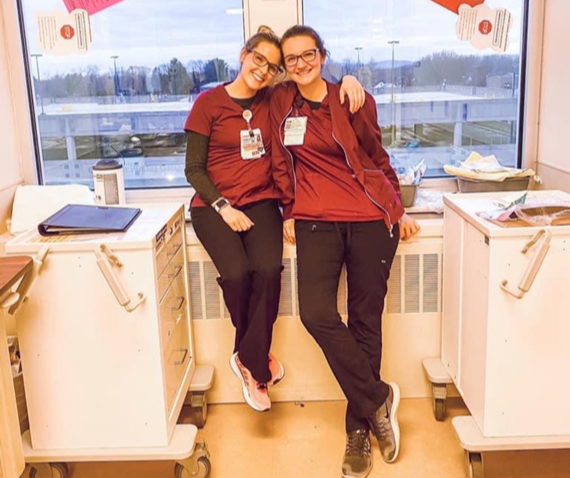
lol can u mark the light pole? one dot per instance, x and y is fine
(393, 43)
(514, 82)
(115, 77)
(36, 56)
(358, 50)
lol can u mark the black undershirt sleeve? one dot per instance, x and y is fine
(196, 170)
(196, 167)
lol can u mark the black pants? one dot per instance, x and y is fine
(249, 264)
(353, 352)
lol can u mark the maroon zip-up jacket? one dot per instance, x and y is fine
(358, 135)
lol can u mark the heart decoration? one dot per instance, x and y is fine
(454, 5)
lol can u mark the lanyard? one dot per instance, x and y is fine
(298, 104)
(247, 115)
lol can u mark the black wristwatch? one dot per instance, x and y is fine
(220, 204)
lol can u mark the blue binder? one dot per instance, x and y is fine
(83, 219)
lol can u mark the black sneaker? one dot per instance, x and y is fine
(357, 459)
(384, 425)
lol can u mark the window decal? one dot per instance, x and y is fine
(63, 33)
(485, 27)
(91, 6)
(454, 5)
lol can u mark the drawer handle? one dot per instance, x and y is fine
(533, 267)
(180, 304)
(185, 352)
(174, 274)
(106, 260)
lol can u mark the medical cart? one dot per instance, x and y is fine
(106, 344)
(505, 328)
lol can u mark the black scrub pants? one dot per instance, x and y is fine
(249, 264)
(353, 352)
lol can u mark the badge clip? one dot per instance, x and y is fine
(247, 115)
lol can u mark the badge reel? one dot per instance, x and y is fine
(295, 130)
(251, 140)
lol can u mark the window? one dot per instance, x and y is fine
(438, 97)
(128, 97)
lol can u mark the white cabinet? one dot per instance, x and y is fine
(508, 357)
(96, 375)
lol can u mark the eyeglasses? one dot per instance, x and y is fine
(307, 56)
(260, 60)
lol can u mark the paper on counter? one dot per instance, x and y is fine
(33, 204)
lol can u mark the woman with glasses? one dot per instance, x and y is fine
(235, 211)
(341, 205)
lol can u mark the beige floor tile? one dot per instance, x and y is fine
(307, 440)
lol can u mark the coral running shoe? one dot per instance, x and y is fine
(254, 392)
(276, 369)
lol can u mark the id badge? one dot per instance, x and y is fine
(295, 130)
(251, 145)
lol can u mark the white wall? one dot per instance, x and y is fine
(554, 129)
(278, 14)
(11, 173)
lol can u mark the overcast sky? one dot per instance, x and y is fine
(151, 32)
(421, 26)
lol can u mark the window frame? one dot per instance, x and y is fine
(27, 128)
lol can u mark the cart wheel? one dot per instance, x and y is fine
(201, 468)
(439, 409)
(475, 465)
(50, 470)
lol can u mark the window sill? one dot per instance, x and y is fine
(431, 228)
(431, 223)
(185, 194)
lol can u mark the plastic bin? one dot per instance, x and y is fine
(475, 186)
(409, 192)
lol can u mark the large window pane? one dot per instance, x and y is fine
(438, 98)
(129, 96)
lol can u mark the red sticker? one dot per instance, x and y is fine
(454, 5)
(485, 27)
(67, 32)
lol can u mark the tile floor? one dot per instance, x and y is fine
(307, 440)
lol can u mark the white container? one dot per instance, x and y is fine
(96, 375)
(508, 357)
(109, 182)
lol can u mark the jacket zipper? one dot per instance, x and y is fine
(390, 226)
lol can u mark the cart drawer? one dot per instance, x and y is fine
(173, 309)
(172, 270)
(168, 252)
(177, 356)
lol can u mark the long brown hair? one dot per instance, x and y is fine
(266, 34)
(305, 31)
